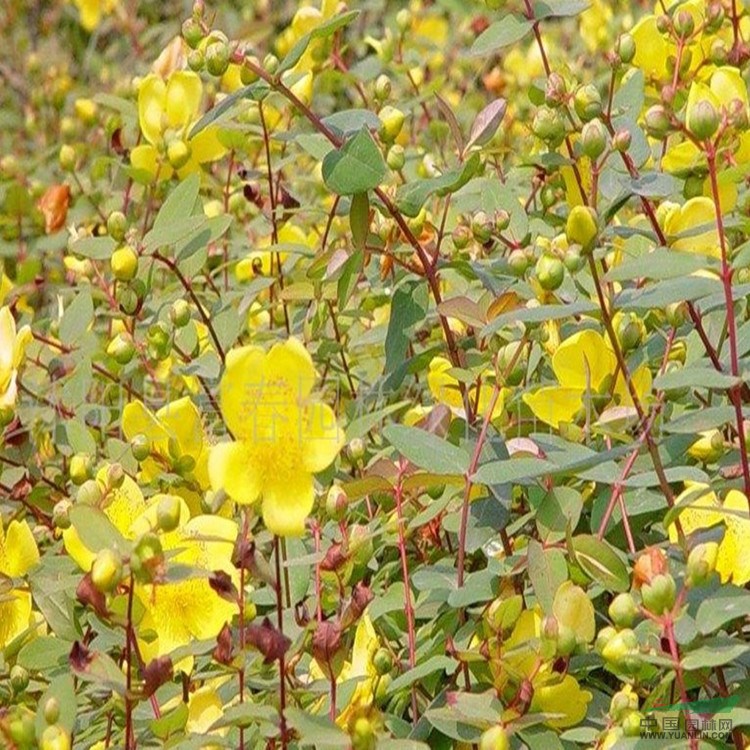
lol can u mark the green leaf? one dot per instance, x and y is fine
(560, 508)
(254, 91)
(316, 731)
(559, 8)
(412, 196)
(96, 248)
(427, 667)
(727, 604)
(95, 529)
(547, 572)
(715, 652)
(695, 377)
(77, 317)
(500, 34)
(349, 121)
(599, 561)
(180, 203)
(408, 307)
(426, 450)
(359, 219)
(63, 691)
(660, 264)
(356, 167)
(486, 123)
(45, 654)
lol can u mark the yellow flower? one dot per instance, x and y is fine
(12, 347)
(261, 261)
(596, 26)
(18, 554)
(282, 435)
(122, 506)
(584, 364)
(91, 11)
(445, 389)
(178, 421)
(651, 48)
(166, 113)
(696, 222)
(703, 511)
(178, 612)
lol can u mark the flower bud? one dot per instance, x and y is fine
(391, 122)
(179, 313)
(67, 157)
(115, 476)
(709, 447)
(382, 87)
(81, 467)
(494, 738)
(548, 126)
(573, 260)
(117, 225)
(621, 140)
(714, 17)
(566, 641)
(660, 594)
(403, 19)
(336, 503)
(52, 710)
(159, 341)
(461, 237)
(702, 119)
(121, 348)
(147, 557)
(481, 227)
(19, 679)
(247, 71)
(89, 492)
(518, 262)
(178, 153)
(631, 724)
(356, 449)
(217, 58)
(124, 263)
(556, 91)
(168, 512)
(270, 63)
(623, 610)
(550, 272)
(718, 54)
(395, 158)
(620, 646)
(676, 313)
(603, 637)
(581, 227)
(128, 299)
(196, 60)
(382, 661)
(55, 738)
(594, 139)
(626, 48)
(61, 514)
(363, 734)
(701, 564)
(192, 32)
(106, 570)
(502, 220)
(587, 102)
(657, 122)
(684, 25)
(630, 330)
(622, 703)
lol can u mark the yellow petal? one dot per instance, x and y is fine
(206, 146)
(697, 220)
(287, 502)
(183, 420)
(230, 468)
(290, 361)
(20, 548)
(152, 96)
(563, 698)
(702, 510)
(322, 439)
(443, 386)
(15, 612)
(734, 558)
(682, 158)
(7, 341)
(583, 361)
(574, 610)
(243, 376)
(91, 13)
(183, 98)
(641, 379)
(651, 48)
(727, 85)
(555, 405)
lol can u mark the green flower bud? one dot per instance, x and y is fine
(621, 140)
(106, 570)
(192, 32)
(703, 120)
(270, 63)
(660, 594)
(622, 703)
(382, 661)
(121, 348)
(146, 557)
(684, 24)
(623, 610)
(178, 153)
(90, 493)
(19, 679)
(714, 18)
(626, 48)
(620, 646)
(382, 87)
(494, 738)
(117, 225)
(67, 157)
(196, 60)
(630, 330)
(548, 126)
(676, 313)
(518, 262)
(247, 72)
(581, 227)
(395, 158)
(356, 449)
(631, 724)
(360, 544)
(179, 313)
(481, 227)
(124, 263)
(556, 90)
(336, 503)
(115, 476)
(81, 468)
(573, 260)
(168, 512)
(140, 447)
(566, 641)
(594, 139)
(52, 710)
(587, 102)
(502, 220)
(701, 564)
(657, 122)
(217, 58)
(391, 122)
(550, 272)
(461, 237)
(61, 514)
(159, 341)
(128, 299)
(403, 19)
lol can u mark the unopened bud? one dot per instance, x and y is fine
(702, 120)
(106, 570)
(626, 48)
(217, 58)
(657, 122)
(587, 102)
(594, 139)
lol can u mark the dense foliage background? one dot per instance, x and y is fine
(372, 374)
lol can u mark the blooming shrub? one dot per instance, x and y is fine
(372, 374)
